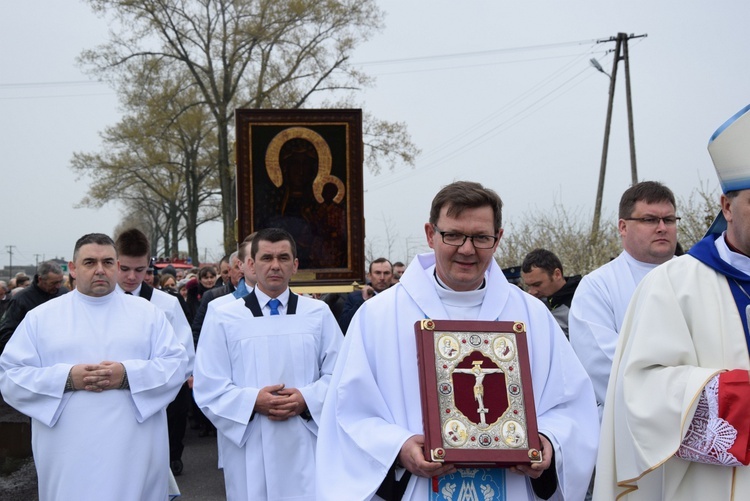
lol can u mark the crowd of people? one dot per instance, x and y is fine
(638, 370)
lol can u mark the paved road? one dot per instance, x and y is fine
(201, 480)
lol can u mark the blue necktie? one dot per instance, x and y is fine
(274, 305)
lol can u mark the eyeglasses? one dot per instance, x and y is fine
(458, 239)
(654, 221)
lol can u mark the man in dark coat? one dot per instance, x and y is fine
(47, 284)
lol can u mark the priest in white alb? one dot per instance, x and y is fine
(262, 371)
(648, 232)
(371, 436)
(95, 370)
(677, 416)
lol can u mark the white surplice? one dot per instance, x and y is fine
(238, 354)
(170, 305)
(93, 446)
(208, 319)
(373, 406)
(682, 328)
(596, 316)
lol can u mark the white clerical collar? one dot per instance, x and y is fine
(263, 299)
(460, 305)
(739, 261)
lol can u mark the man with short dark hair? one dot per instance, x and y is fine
(224, 266)
(133, 259)
(378, 280)
(47, 285)
(398, 270)
(22, 282)
(95, 369)
(371, 438)
(542, 272)
(262, 370)
(648, 230)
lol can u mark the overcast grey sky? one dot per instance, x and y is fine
(497, 92)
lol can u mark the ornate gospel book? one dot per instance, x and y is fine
(477, 400)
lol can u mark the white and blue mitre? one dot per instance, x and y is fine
(729, 148)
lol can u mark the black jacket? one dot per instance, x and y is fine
(20, 305)
(565, 295)
(200, 313)
(559, 302)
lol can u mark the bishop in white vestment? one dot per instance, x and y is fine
(677, 417)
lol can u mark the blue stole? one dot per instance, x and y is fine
(705, 252)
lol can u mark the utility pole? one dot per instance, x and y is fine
(10, 266)
(621, 53)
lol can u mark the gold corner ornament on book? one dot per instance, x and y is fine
(477, 398)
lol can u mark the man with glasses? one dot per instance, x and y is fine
(648, 230)
(371, 432)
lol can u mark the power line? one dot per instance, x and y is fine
(56, 96)
(506, 124)
(475, 53)
(61, 83)
(468, 66)
(507, 106)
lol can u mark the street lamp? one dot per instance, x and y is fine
(598, 67)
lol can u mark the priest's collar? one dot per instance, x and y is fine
(263, 298)
(442, 284)
(449, 297)
(731, 255)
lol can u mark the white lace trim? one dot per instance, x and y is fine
(709, 437)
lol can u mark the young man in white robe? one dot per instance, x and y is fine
(677, 417)
(648, 229)
(372, 430)
(262, 371)
(133, 259)
(95, 370)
